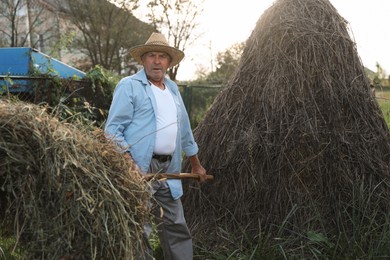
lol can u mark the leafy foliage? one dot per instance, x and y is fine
(92, 99)
(86, 99)
(107, 32)
(380, 78)
(227, 63)
(8, 250)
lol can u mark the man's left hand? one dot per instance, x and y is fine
(197, 168)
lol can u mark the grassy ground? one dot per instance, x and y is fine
(383, 97)
(8, 250)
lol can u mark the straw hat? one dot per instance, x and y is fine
(157, 42)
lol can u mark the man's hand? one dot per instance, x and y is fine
(197, 168)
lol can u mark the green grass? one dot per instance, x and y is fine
(8, 250)
(383, 97)
(385, 106)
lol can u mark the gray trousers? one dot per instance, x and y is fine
(174, 234)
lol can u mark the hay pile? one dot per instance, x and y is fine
(64, 192)
(296, 140)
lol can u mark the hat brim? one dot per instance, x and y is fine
(175, 54)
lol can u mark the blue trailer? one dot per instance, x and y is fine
(20, 66)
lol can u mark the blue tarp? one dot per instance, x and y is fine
(19, 67)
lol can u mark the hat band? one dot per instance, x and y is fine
(156, 43)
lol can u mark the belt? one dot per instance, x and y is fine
(162, 157)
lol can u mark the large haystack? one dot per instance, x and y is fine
(65, 192)
(296, 139)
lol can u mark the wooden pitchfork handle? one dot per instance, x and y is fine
(177, 176)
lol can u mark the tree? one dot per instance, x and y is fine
(380, 78)
(108, 30)
(227, 63)
(22, 23)
(177, 19)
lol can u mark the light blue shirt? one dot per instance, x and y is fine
(131, 123)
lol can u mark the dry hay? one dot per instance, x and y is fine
(65, 192)
(296, 137)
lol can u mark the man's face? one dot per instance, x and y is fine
(156, 65)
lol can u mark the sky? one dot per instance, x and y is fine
(226, 22)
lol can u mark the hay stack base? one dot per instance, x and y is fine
(65, 191)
